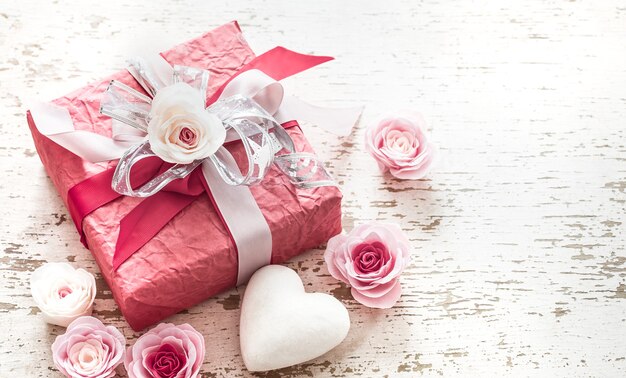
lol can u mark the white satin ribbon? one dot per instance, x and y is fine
(245, 221)
(338, 121)
(126, 134)
(55, 123)
(270, 94)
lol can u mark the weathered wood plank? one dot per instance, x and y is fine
(519, 262)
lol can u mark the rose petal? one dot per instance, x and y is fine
(334, 259)
(385, 301)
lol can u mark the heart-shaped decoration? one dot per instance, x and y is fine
(282, 325)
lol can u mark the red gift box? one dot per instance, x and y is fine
(193, 257)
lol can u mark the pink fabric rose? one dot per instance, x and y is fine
(88, 349)
(370, 259)
(399, 144)
(166, 351)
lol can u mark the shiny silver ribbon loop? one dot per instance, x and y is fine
(121, 177)
(304, 170)
(145, 75)
(126, 105)
(251, 123)
(195, 77)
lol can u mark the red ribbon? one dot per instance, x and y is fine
(159, 209)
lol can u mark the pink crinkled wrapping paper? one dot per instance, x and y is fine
(192, 258)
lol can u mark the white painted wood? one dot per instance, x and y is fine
(519, 262)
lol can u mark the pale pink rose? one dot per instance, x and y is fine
(63, 293)
(400, 145)
(180, 129)
(166, 351)
(88, 349)
(370, 259)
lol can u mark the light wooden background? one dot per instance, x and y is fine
(519, 261)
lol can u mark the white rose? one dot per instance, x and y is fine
(62, 293)
(180, 129)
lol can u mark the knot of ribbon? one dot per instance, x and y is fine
(245, 107)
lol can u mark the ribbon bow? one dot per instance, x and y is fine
(248, 119)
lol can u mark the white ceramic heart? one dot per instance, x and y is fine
(282, 325)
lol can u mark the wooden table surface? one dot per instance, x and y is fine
(519, 267)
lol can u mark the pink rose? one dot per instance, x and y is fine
(63, 293)
(88, 349)
(180, 129)
(166, 351)
(399, 144)
(370, 259)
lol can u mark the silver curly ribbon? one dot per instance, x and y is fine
(265, 141)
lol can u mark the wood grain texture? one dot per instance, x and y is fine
(519, 261)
